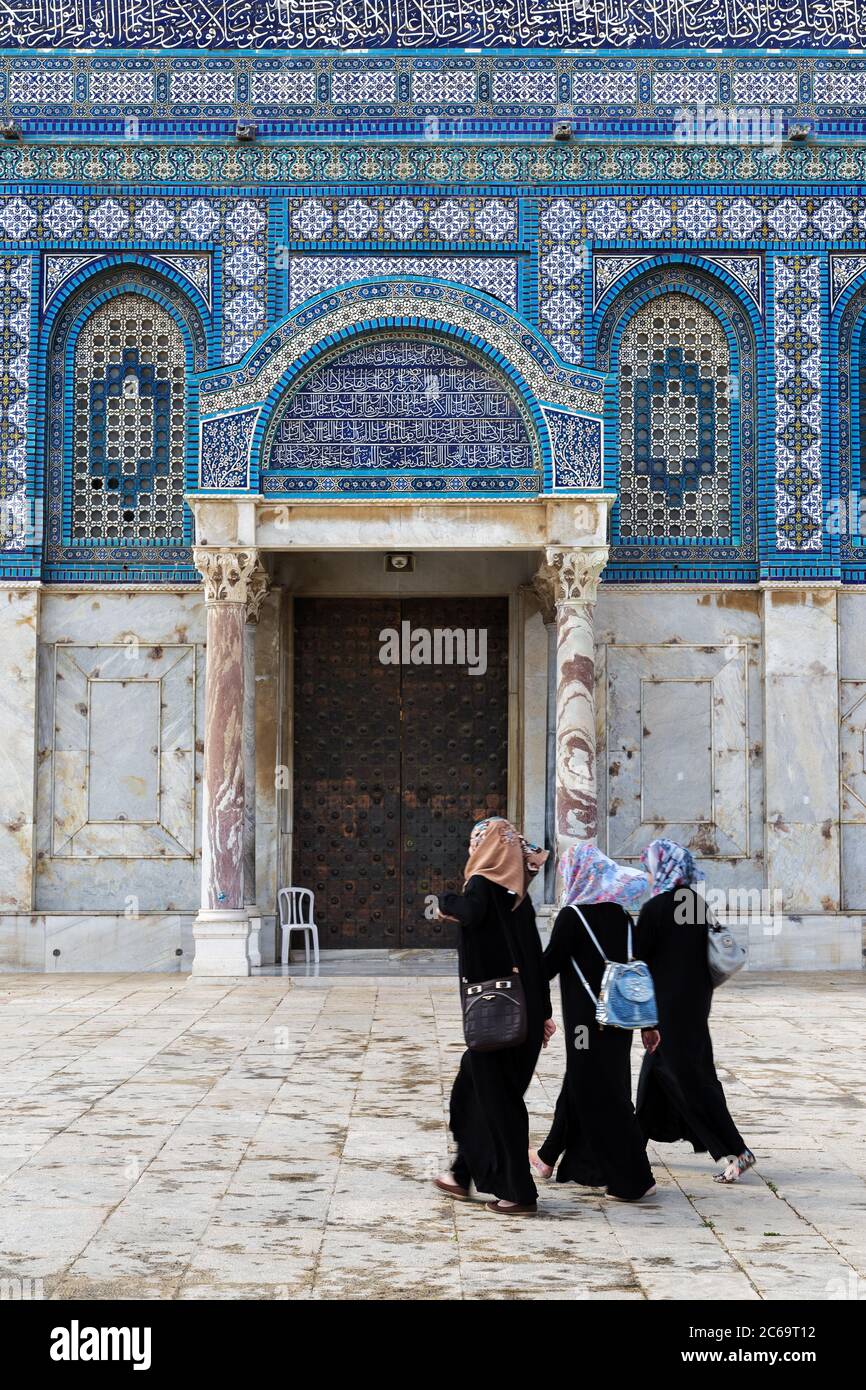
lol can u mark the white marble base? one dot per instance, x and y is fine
(788, 942)
(221, 942)
(60, 943)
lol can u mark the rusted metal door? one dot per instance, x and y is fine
(455, 755)
(393, 762)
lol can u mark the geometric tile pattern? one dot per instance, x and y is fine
(568, 224)
(15, 276)
(129, 424)
(237, 224)
(85, 413)
(747, 269)
(797, 348)
(414, 219)
(316, 274)
(674, 423)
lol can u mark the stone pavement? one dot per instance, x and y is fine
(164, 1138)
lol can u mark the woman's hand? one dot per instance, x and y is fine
(443, 917)
(549, 1030)
(650, 1037)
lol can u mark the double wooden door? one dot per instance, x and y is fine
(393, 762)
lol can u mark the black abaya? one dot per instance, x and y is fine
(488, 1113)
(594, 1127)
(679, 1094)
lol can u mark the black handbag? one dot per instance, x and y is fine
(494, 1011)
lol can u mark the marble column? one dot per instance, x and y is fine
(572, 576)
(222, 926)
(258, 587)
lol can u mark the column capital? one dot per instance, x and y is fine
(258, 586)
(231, 576)
(571, 575)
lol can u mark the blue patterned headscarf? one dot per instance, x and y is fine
(671, 866)
(588, 876)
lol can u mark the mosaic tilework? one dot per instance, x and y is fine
(14, 375)
(797, 351)
(674, 423)
(59, 267)
(609, 267)
(394, 301)
(239, 225)
(844, 270)
(494, 275)
(742, 403)
(225, 446)
(848, 398)
(85, 405)
(576, 442)
(133, 24)
(416, 219)
(129, 425)
(567, 225)
(438, 163)
(400, 406)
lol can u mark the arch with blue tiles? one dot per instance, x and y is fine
(739, 319)
(507, 345)
(73, 308)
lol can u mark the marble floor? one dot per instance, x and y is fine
(274, 1139)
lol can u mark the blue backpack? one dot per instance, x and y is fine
(628, 997)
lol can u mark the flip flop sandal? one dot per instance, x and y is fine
(459, 1194)
(526, 1209)
(736, 1168)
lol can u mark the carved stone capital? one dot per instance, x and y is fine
(231, 576)
(543, 590)
(259, 584)
(574, 574)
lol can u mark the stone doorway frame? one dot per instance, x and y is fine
(235, 534)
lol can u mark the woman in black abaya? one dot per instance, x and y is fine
(497, 931)
(595, 1137)
(679, 1094)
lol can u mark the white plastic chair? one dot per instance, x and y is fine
(296, 908)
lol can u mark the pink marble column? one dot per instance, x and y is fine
(222, 927)
(573, 576)
(258, 587)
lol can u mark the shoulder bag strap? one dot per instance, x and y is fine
(591, 932)
(583, 979)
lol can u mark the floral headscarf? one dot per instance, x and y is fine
(499, 852)
(670, 864)
(588, 876)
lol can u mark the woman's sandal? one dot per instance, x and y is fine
(737, 1167)
(538, 1165)
(514, 1209)
(452, 1189)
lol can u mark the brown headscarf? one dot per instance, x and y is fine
(499, 852)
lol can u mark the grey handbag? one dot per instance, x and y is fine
(725, 956)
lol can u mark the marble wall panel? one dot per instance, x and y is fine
(108, 761)
(852, 750)
(680, 726)
(19, 610)
(801, 701)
